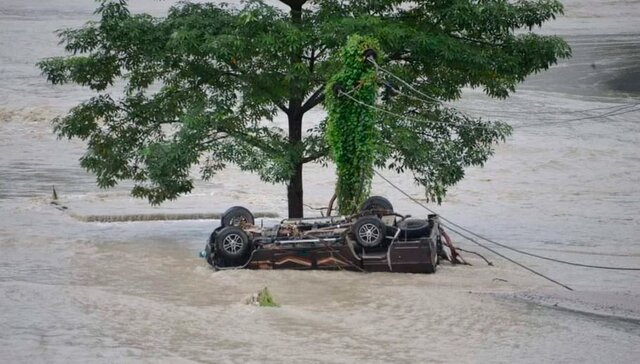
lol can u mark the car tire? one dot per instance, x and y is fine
(376, 203)
(414, 228)
(235, 215)
(369, 231)
(211, 245)
(232, 243)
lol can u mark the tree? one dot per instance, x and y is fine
(202, 85)
(351, 126)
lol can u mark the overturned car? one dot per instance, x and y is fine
(377, 240)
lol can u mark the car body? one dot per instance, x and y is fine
(375, 240)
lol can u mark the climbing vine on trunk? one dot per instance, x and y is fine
(351, 131)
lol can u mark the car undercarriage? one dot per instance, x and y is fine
(376, 239)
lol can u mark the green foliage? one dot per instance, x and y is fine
(265, 299)
(351, 127)
(202, 85)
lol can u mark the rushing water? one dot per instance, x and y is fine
(76, 291)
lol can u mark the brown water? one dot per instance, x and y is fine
(72, 291)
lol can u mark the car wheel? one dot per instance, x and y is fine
(369, 231)
(236, 215)
(232, 242)
(211, 245)
(414, 228)
(376, 203)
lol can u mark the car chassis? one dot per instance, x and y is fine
(375, 240)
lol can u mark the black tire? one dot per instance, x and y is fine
(211, 245)
(235, 215)
(369, 231)
(232, 243)
(414, 228)
(375, 204)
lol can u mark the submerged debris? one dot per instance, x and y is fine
(262, 299)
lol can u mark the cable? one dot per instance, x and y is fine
(431, 99)
(407, 117)
(500, 244)
(508, 113)
(619, 110)
(509, 259)
(541, 256)
(518, 112)
(377, 66)
(616, 43)
(627, 109)
(478, 243)
(478, 254)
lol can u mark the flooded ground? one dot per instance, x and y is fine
(72, 291)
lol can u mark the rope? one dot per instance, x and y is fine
(499, 244)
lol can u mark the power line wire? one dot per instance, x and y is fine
(627, 109)
(521, 112)
(621, 110)
(618, 110)
(509, 259)
(373, 107)
(431, 99)
(508, 113)
(500, 244)
(378, 67)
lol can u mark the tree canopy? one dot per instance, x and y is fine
(202, 86)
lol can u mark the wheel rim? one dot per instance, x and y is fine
(232, 243)
(369, 234)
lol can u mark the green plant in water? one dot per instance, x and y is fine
(351, 130)
(265, 299)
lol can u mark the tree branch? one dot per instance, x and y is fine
(316, 98)
(316, 156)
(473, 40)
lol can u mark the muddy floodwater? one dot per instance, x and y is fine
(73, 291)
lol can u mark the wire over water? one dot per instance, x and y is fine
(500, 244)
(373, 107)
(612, 110)
(509, 259)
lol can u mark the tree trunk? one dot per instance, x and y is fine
(295, 113)
(294, 188)
(295, 194)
